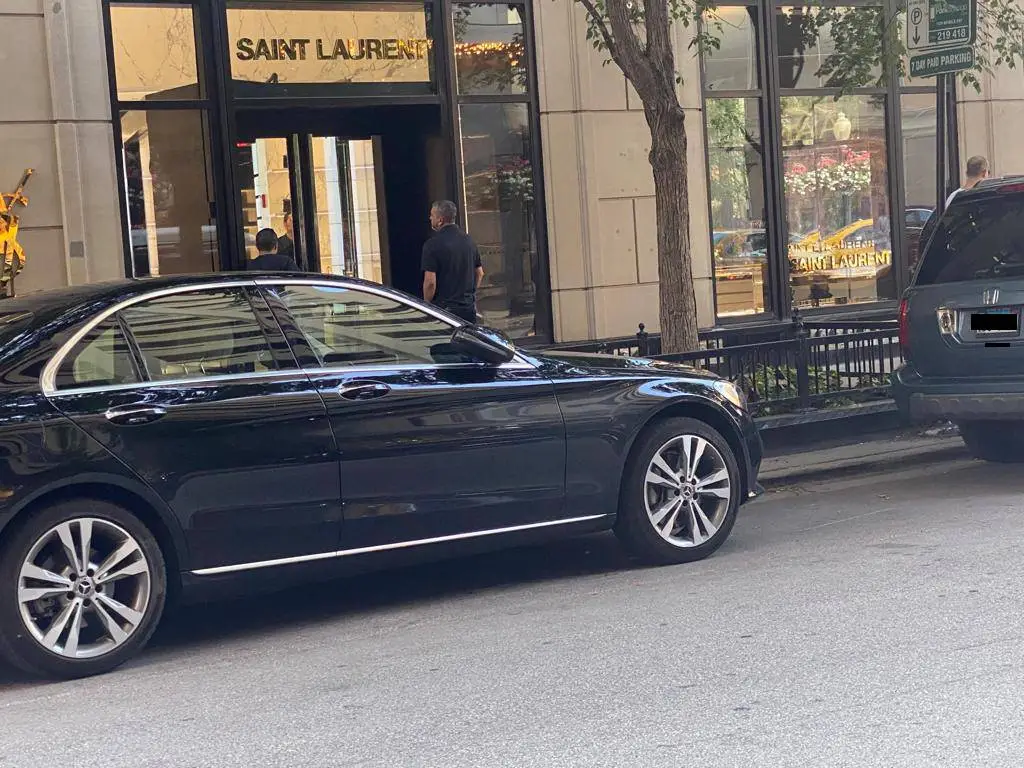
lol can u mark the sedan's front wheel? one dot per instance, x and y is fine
(680, 494)
(82, 587)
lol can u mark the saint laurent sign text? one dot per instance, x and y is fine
(353, 49)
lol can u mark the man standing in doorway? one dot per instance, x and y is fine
(286, 243)
(269, 259)
(452, 270)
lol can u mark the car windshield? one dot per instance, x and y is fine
(978, 238)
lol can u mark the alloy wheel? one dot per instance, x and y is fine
(687, 491)
(84, 587)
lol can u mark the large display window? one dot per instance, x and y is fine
(821, 162)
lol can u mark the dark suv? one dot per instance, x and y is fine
(960, 323)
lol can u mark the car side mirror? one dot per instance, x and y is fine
(483, 344)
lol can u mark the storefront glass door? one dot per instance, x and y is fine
(267, 190)
(340, 217)
(348, 207)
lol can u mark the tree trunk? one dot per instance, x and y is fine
(675, 267)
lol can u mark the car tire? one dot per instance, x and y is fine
(998, 442)
(64, 616)
(662, 502)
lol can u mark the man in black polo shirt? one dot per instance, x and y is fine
(451, 265)
(269, 259)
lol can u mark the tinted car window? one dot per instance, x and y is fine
(352, 327)
(102, 358)
(978, 238)
(200, 333)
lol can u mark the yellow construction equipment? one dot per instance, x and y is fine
(12, 255)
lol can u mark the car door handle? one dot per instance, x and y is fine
(134, 415)
(363, 390)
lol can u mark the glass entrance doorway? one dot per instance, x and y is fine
(344, 214)
(352, 203)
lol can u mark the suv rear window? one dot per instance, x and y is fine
(980, 237)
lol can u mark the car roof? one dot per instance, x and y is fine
(993, 183)
(59, 298)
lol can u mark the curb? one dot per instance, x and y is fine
(863, 465)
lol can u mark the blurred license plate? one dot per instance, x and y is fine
(995, 321)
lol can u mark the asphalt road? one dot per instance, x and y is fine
(872, 621)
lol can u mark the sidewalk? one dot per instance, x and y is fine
(870, 454)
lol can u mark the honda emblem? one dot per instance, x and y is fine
(990, 297)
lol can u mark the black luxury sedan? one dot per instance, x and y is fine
(166, 438)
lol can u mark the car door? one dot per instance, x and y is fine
(197, 392)
(431, 444)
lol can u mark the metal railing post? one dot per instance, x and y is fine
(803, 360)
(643, 342)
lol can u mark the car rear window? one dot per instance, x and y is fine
(977, 238)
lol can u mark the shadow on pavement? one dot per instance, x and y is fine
(365, 595)
(369, 593)
(210, 623)
(565, 560)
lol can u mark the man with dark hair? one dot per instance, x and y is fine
(452, 270)
(269, 259)
(286, 242)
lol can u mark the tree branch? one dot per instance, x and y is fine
(631, 57)
(597, 19)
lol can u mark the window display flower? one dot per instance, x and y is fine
(515, 179)
(849, 175)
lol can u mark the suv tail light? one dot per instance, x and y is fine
(905, 328)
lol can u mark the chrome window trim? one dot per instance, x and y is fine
(386, 547)
(292, 374)
(197, 381)
(48, 379)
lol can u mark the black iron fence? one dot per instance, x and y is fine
(800, 366)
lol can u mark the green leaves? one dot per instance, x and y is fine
(864, 42)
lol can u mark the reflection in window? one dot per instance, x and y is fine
(154, 52)
(102, 358)
(977, 240)
(917, 115)
(346, 327)
(328, 42)
(169, 191)
(837, 200)
(733, 67)
(829, 47)
(501, 212)
(204, 333)
(490, 48)
(736, 177)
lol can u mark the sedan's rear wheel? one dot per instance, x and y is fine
(82, 587)
(681, 493)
